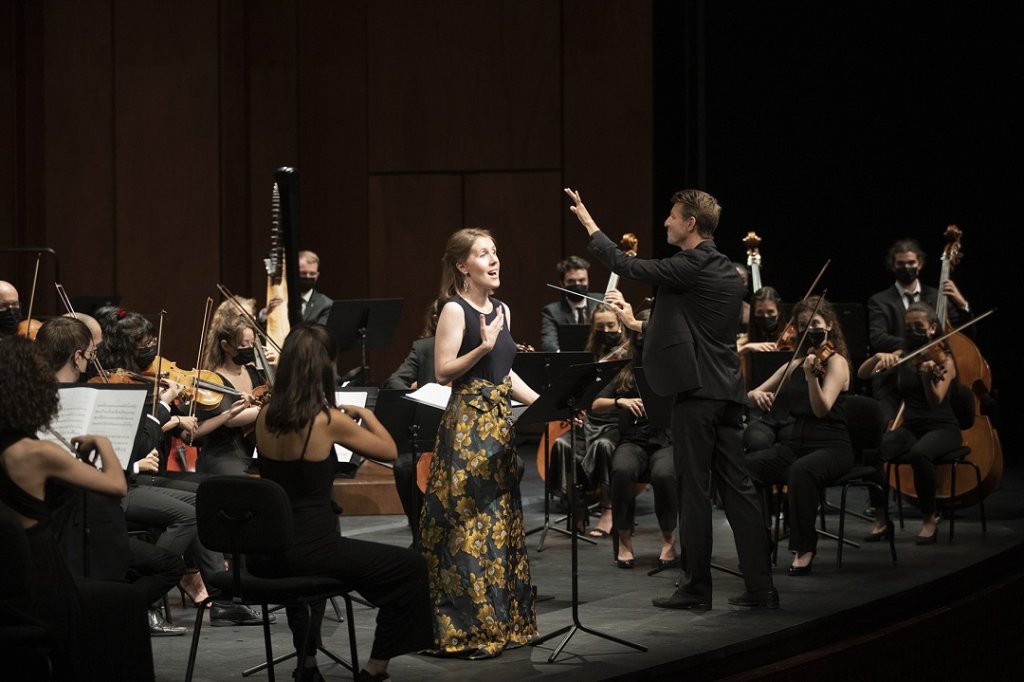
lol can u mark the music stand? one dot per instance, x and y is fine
(573, 337)
(366, 323)
(413, 426)
(576, 386)
(539, 369)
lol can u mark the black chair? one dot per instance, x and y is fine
(961, 399)
(25, 645)
(238, 516)
(865, 422)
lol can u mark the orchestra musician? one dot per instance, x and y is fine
(471, 528)
(10, 309)
(817, 449)
(571, 308)
(929, 428)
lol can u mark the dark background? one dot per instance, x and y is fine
(138, 139)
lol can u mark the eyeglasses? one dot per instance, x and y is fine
(89, 354)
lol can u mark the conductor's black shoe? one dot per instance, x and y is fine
(681, 599)
(760, 599)
(158, 627)
(222, 615)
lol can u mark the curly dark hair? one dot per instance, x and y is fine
(305, 379)
(28, 388)
(828, 314)
(123, 331)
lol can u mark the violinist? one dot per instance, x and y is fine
(223, 436)
(226, 309)
(929, 429)
(763, 429)
(10, 309)
(642, 451)
(818, 448)
(598, 436)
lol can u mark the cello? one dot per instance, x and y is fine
(973, 371)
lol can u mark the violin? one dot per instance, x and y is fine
(821, 356)
(28, 328)
(937, 354)
(203, 387)
(787, 339)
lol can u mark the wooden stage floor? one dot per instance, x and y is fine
(829, 606)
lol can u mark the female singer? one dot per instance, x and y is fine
(929, 428)
(597, 437)
(818, 449)
(471, 527)
(295, 435)
(225, 446)
(641, 449)
(28, 402)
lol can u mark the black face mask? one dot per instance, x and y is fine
(244, 356)
(145, 357)
(608, 339)
(766, 323)
(9, 320)
(914, 338)
(306, 284)
(816, 336)
(578, 291)
(905, 275)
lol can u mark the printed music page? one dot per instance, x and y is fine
(101, 411)
(357, 398)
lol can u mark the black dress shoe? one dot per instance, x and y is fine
(158, 627)
(801, 570)
(681, 599)
(927, 540)
(236, 614)
(760, 599)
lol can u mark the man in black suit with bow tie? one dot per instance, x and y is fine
(690, 353)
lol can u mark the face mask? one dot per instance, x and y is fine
(9, 320)
(609, 339)
(914, 337)
(578, 291)
(244, 356)
(816, 336)
(906, 275)
(306, 284)
(767, 323)
(145, 357)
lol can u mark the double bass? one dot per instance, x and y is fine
(972, 371)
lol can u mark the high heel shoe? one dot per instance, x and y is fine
(801, 570)
(624, 563)
(192, 586)
(928, 539)
(885, 534)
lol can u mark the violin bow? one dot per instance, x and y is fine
(810, 290)
(799, 345)
(102, 373)
(159, 360)
(264, 337)
(32, 296)
(199, 359)
(933, 342)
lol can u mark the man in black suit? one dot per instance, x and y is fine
(570, 308)
(887, 309)
(315, 306)
(690, 352)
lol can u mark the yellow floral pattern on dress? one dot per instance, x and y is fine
(472, 528)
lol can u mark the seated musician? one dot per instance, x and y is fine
(818, 449)
(597, 436)
(570, 308)
(763, 429)
(642, 451)
(10, 309)
(929, 428)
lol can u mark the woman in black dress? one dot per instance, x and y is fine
(818, 449)
(929, 428)
(295, 436)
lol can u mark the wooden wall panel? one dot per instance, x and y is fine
(411, 217)
(607, 133)
(78, 147)
(332, 119)
(523, 210)
(464, 86)
(167, 162)
(9, 26)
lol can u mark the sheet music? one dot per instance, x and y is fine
(357, 398)
(102, 412)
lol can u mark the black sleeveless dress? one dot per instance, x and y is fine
(52, 600)
(394, 579)
(471, 526)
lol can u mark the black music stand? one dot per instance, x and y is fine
(413, 426)
(573, 337)
(576, 386)
(539, 369)
(366, 323)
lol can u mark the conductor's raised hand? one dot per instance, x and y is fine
(489, 332)
(581, 211)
